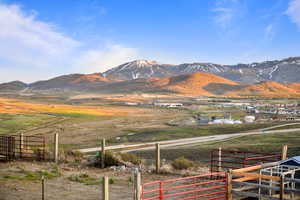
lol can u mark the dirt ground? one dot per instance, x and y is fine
(58, 188)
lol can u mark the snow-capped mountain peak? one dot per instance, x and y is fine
(286, 70)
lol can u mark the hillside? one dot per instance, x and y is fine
(13, 86)
(192, 84)
(72, 81)
(268, 89)
(285, 70)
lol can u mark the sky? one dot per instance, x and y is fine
(44, 39)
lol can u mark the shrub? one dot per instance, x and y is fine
(85, 179)
(182, 163)
(109, 160)
(128, 157)
(111, 181)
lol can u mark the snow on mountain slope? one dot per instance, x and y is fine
(286, 70)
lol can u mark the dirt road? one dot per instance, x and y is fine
(185, 141)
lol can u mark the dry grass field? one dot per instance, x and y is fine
(13, 106)
(81, 125)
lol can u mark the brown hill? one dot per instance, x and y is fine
(268, 89)
(71, 81)
(192, 84)
(196, 84)
(12, 86)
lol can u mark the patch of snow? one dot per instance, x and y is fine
(273, 70)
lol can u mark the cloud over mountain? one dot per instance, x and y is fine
(294, 12)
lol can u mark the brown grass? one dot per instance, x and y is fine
(18, 107)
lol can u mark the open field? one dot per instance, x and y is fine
(200, 153)
(169, 133)
(13, 106)
(81, 125)
(22, 180)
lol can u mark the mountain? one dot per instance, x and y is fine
(195, 84)
(13, 86)
(192, 84)
(286, 70)
(269, 79)
(189, 84)
(139, 69)
(267, 89)
(72, 81)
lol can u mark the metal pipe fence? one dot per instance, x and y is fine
(205, 187)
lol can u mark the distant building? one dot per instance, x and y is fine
(249, 119)
(169, 105)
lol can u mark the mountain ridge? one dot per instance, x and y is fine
(184, 79)
(285, 70)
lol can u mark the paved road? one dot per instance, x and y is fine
(184, 141)
(278, 126)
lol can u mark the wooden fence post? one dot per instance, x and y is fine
(105, 189)
(229, 184)
(56, 147)
(220, 159)
(137, 186)
(21, 144)
(157, 158)
(282, 187)
(43, 188)
(284, 152)
(103, 153)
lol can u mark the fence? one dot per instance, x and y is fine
(22, 147)
(206, 187)
(232, 159)
(255, 182)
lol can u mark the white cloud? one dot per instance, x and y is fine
(226, 12)
(99, 60)
(26, 41)
(269, 32)
(31, 49)
(293, 11)
(224, 16)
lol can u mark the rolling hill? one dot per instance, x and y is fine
(150, 77)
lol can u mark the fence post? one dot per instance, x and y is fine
(284, 152)
(220, 159)
(157, 158)
(43, 188)
(105, 189)
(281, 187)
(56, 147)
(103, 153)
(21, 144)
(137, 186)
(161, 192)
(229, 184)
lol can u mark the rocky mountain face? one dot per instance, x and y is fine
(286, 70)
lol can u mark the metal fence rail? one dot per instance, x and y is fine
(205, 187)
(22, 147)
(222, 159)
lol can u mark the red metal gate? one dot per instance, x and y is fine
(204, 187)
(222, 159)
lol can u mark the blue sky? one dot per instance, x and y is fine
(42, 39)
